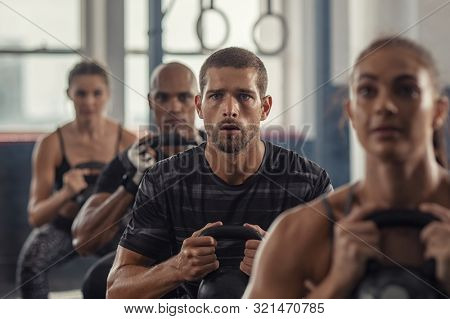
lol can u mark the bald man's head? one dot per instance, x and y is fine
(173, 87)
(172, 70)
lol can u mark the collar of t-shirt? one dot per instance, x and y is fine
(249, 181)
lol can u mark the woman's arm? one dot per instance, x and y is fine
(43, 205)
(128, 138)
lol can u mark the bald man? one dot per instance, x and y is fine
(173, 87)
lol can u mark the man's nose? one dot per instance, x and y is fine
(230, 107)
(175, 106)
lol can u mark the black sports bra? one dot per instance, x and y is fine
(347, 208)
(65, 166)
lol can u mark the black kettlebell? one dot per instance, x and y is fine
(394, 282)
(84, 195)
(228, 281)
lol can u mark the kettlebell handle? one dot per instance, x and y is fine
(401, 218)
(231, 232)
(374, 271)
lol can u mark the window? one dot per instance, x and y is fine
(33, 85)
(136, 63)
(179, 35)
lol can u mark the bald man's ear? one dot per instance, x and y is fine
(198, 105)
(266, 107)
(68, 94)
(150, 101)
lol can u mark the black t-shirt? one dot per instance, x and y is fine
(181, 194)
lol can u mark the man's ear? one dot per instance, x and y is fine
(266, 107)
(441, 112)
(198, 105)
(68, 94)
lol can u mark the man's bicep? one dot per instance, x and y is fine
(125, 257)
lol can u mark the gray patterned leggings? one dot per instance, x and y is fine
(45, 247)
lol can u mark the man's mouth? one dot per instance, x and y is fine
(173, 121)
(229, 127)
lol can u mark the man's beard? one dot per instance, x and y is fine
(232, 144)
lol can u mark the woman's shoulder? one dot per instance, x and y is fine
(310, 222)
(307, 227)
(128, 138)
(50, 140)
(48, 146)
(318, 210)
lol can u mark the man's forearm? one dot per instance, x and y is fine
(97, 223)
(112, 210)
(133, 281)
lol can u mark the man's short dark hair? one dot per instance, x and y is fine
(236, 58)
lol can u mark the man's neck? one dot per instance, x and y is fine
(401, 184)
(234, 169)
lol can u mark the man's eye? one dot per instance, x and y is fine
(98, 92)
(183, 97)
(80, 93)
(244, 97)
(216, 96)
(160, 97)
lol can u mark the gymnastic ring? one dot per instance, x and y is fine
(200, 30)
(284, 33)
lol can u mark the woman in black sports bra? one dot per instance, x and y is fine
(65, 166)
(321, 250)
